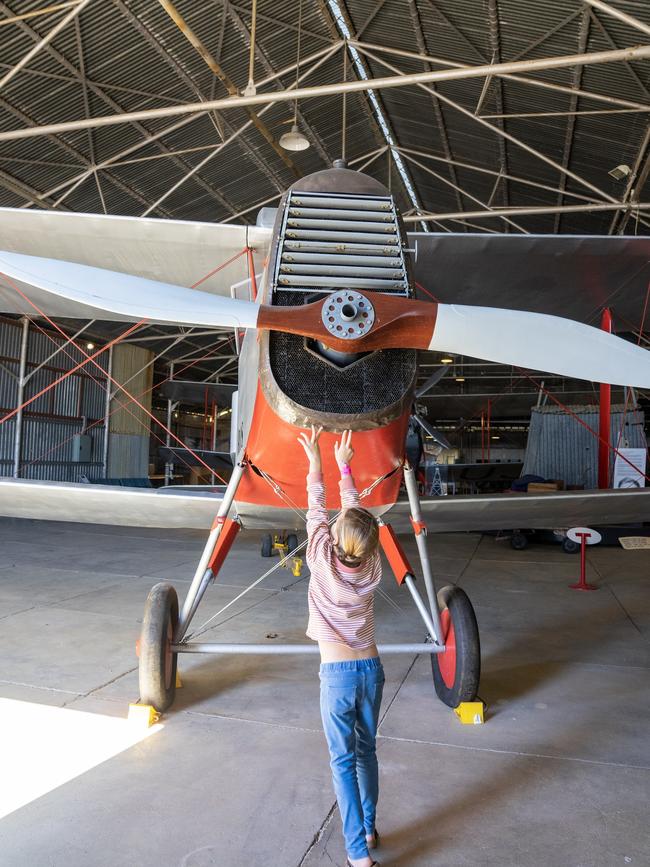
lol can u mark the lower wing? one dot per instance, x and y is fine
(195, 508)
(527, 511)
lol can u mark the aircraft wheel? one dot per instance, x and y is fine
(292, 542)
(267, 545)
(457, 671)
(519, 541)
(157, 670)
(569, 546)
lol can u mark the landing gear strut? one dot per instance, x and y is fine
(452, 636)
(449, 616)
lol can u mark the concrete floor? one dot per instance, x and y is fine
(238, 775)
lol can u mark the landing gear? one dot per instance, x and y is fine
(448, 617)
(278, 544)
(457, 671)
(267, 545)
(569, 546)
(157, 670)
(518, 540)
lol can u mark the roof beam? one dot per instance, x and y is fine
(468, 195)
(227, 141)
(605, 33)
(173, 63)
(495, 45)
(20, 188)
(476, 168)
(43, 42)
(35, 197)
(47, 10)
(546, 36)
(546, 85)
(583, 37)
(68, 79)
(440, 120)
(98, 91)
(622, 16)
(323, 55)
(481, 121)
(530, 211)
(629, 187)
(311, 134)
(228, 83)
(640, 52)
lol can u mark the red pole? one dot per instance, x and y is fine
(604, 424)
(482, 437)
(489, 429)
(582, 583)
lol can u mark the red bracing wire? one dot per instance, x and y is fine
(122, 405)
(220, 267)
(70, 372)
(115, 383)
(251, 272)
(97, 382)
(585, 425)
(430, 294)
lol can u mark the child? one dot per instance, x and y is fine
(345, 570)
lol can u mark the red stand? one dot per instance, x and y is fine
(582, 584)
(605, 420)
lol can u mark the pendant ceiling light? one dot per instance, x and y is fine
(294, 140)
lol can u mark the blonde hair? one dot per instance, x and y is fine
(357, 535)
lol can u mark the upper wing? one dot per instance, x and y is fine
(527, 511)
(174, 251)
(564, 275)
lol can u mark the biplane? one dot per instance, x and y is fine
(331, 337)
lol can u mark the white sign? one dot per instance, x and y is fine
(591, 537)
(626, 476)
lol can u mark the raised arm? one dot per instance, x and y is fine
(318, 533)
(344, 453)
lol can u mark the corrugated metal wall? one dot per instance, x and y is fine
(560, 448)
(51, 422)
(128, 444)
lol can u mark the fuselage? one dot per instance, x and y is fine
(335, 231)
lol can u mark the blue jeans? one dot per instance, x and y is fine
(350, 696)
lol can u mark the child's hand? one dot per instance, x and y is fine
(343, 451)
(312, 449)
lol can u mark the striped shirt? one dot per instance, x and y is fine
(340, 597)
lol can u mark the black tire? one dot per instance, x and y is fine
(569, 546)
(456, 678)
(519, 541)
(292, 542)
(157, 669)
(267, 545)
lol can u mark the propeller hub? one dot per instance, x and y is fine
(348, 315)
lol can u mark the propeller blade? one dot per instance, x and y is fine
(67, 289)
(433, 433)
(540, 342)
(434, 379)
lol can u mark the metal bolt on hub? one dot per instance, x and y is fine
(348, 314)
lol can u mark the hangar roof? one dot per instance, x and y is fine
(536, 139)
